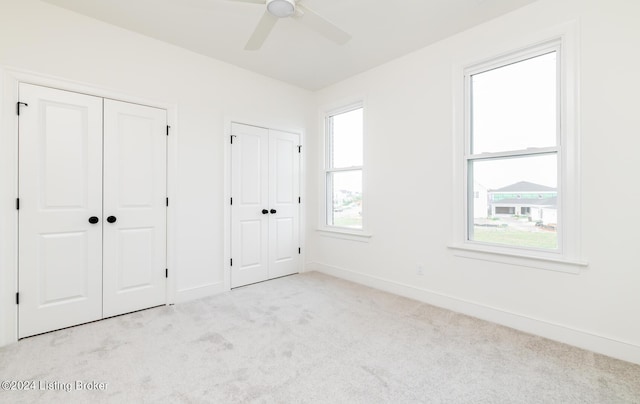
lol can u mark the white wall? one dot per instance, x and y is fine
(48, 40)
(408, 184)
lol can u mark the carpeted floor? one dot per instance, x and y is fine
(309, 338)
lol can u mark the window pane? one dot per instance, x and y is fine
(345, 206)
(514, 106)
(514, 201)
(345, 142)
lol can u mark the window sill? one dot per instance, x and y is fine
(551, 264)
(345, 234)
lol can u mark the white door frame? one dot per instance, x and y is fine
(9, 79)
(227, 187)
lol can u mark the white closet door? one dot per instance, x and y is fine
(135, 144)
(284, 190)
(250, 190)
(60, 181)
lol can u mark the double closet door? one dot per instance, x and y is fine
(265, 206)
(92, 208)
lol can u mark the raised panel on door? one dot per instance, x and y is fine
(60, 188)
(249, 190)
(135, 197)
(284, 191)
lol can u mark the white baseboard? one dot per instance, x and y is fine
(582, 339)
(198, 292)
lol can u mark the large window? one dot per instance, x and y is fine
(513, 151)
(343, 168)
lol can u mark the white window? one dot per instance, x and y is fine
(343, 168)
(520, 149)
(513, 146)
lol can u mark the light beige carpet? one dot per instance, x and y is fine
(310, 338)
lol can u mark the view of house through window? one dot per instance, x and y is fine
(513, 152)
(344, 168)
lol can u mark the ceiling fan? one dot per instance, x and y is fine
(276, 9)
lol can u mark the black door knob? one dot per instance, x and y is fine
(273, 211)
(111, 219)
(93, 220)
(264, 211)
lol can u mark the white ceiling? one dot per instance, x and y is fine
(381, 31)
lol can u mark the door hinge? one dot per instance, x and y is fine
(299, 148)
(168, 127)
(18, 298)
(299, 200)
(230, 261)
(167, 202)
(299, 250)
(231, 200)
(232, 136)
(166, 272)
(17, 203)
(18, 106)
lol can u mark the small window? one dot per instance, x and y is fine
(343, 168)
(513, 147)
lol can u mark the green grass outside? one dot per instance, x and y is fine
(348, 221)
(541, 239)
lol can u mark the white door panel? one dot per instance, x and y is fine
(60, 252)
(135, 195)
(284, 190)
(63, 277)
(249, 187)
(135, 267)
(251, 248)
(265, 177)
(252, 159)
(284, 237)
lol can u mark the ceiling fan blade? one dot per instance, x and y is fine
(261, 32)
(322, 26)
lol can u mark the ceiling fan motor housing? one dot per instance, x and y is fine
(281, 8)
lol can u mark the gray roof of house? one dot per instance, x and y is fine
(524, 186)
(527, 201)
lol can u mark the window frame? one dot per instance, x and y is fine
(327, 206)
(568, 256)
(470, 157)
